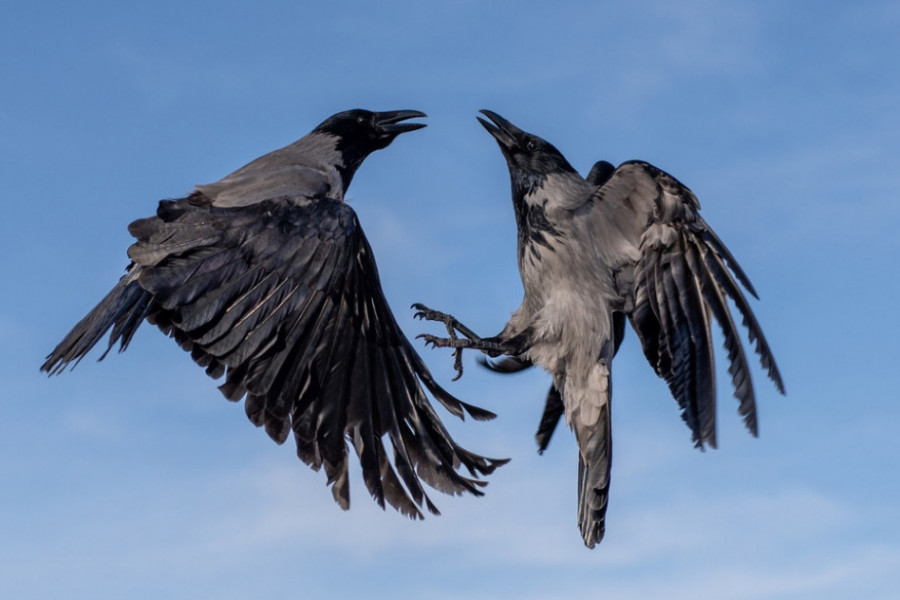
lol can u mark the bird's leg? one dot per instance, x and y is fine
(490, 346)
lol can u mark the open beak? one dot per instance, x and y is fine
(390, 122)
(502, 130)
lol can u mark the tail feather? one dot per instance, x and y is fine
(587, 405)
(123, 309)
(594, 461)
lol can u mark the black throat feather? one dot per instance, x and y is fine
(534, 228)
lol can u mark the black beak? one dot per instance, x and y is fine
(389, 122)
(505, 132)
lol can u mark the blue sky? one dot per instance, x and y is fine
(134, 478)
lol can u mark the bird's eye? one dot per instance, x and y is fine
(360, 119)
(531, 145)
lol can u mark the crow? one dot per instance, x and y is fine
(266, 277)
(553, 405)
(625, 243)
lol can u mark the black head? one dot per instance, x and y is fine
(529, 157)
(362, 132)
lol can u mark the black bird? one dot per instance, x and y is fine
(266, 277)
(625, 242)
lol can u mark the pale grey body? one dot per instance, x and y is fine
(623, 242)
(567, 334)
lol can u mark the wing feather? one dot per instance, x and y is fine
(702, 383)
(553, 412)
(682, 278)
(718, 270)
(738, 367)
(282, 297)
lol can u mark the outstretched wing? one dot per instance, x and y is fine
(680, 276)
(282, 297)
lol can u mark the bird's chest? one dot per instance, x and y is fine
(563, 261)
(569, 332)
(570, 308)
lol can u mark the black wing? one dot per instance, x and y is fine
(683, 279)
(284, 299)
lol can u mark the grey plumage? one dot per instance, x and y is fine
(267, 279)
(624, 242)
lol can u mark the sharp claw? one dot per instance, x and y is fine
(457, 363)
(423, 312)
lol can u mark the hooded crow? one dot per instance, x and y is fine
(626, 242)
(267, 279)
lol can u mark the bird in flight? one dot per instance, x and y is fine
(626, 242)
(267, 279)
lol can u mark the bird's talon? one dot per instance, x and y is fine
(457, 363)
(420, 310)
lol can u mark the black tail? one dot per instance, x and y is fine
(123, 309)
